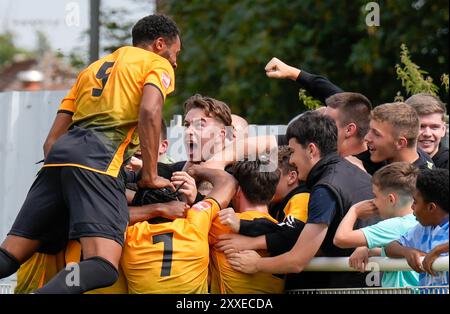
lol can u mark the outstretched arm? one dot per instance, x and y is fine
(318, 86)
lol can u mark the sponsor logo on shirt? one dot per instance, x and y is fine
(201, 206)
(165, 79)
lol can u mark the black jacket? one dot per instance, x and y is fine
(349, 185)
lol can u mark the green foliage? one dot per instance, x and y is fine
(7, 48)
(444, 80)
(412, 76)
(308, 101)
(226, 45)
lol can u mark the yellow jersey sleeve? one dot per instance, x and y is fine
(202, 213)
(161, 76)
(68, 103)
(297, 207)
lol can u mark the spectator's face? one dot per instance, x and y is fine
(432, 130)
(286, 183)
(204, 136)
(421, 209)
(301, 158)
(381, 141)
(382, 203)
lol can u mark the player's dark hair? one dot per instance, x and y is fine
(433, 185)
(151, 27)
(163, 130)
(312, 127)
(258, 186)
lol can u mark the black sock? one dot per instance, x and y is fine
(8, 264)
(94, 272)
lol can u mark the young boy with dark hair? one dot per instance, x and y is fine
(431, 210)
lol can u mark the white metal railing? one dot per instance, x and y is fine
(381, 264)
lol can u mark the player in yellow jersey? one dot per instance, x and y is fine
(80, 192)
(172, 256)
(289, 206)
(256, 189)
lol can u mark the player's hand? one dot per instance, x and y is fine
(365, 209)
(359, 259)
(428, 261)
(413, 257)
(155, 183)
(280, 70)
(228, 217)
(134, 165)
(174, 209)
(245, 261)
(186, 185)
(232, 242)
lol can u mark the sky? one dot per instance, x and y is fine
(62, 21)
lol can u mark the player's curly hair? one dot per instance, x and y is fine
(433, 186)
(149, 28)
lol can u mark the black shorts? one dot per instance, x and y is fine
(71, 203)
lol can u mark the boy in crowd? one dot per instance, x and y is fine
(393, 133)
(431, 210)
(431, 113)
(256, 189)
(393, 187)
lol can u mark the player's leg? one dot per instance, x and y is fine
(98, 217)
(35, 219)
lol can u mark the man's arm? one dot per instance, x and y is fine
(171, 210)
(293, 261)
(60, 125)
(149, 128)
(318, 86)
(224, 184)
(345, 236)
(248, 147)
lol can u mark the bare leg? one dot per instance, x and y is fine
(21, 248)
(105, 248)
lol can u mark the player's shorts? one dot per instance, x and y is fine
(71, 203)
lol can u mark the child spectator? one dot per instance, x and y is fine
(393, 186)
(431, 210)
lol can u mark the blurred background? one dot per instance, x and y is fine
(226, 45)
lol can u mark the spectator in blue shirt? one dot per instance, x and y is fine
(431, 210)
(393, 186)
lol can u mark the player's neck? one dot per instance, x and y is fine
(246, 206)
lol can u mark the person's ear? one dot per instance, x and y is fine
(163, 147)
(312, 151)
(159, 44)
(431, 206)
(350, 130)
(392, 198)
(292, 177)
(401, 143)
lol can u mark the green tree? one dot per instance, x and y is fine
(227, 43)
(7, 48)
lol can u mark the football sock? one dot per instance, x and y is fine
(8, 264)
(94, 272)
